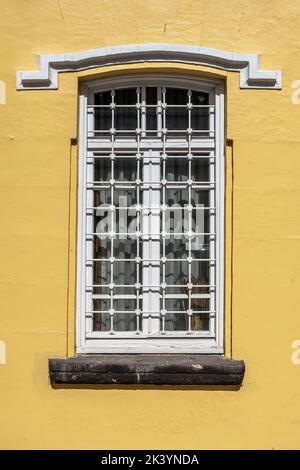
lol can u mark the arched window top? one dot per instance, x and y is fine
(176, 80)
(152, 106)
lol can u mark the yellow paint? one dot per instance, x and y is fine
(38, 218)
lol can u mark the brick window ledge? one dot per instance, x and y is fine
(147, 369)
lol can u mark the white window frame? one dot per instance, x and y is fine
(207, 343)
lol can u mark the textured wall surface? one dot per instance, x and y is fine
(38, 226)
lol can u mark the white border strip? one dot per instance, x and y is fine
(49, 65)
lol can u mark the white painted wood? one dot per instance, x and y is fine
(212, 341)
(81, 225)
(151, 247)
(148, 346)
(220, 210)
(49, 65)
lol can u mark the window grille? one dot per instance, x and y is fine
(150, 235)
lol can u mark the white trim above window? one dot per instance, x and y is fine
(157, 141)
(49, 65)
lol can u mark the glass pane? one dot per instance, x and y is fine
(102, 304)
(176, 118)
(176, 196)
(181, 196)
(125, 118)
(151, 116)
(200, 196)
(200, 275)
(124, 304)
(200, 220)
(102, 272)
(122, 197)
(124, 321)
(102, 248)
(172, 221)
(103, 220)
(100, 290)
(175, 322)
(200, 321)
(124, 248)
(125, 169)
(177, 221)
(102, 196)
(125, 96)
(124, 272)
(175, 317)
(121, 220)
(200, 169)
(101, 320)
(175, 96)
(200, 247)
(102, 169)
(176, 304)
(200, 116)
(177, 169)
(199, 98)
(102, 115)
(175, 248)
(124, 290)
(176, 273)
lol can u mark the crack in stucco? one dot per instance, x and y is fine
(64, 20)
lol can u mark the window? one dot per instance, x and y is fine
(150, 224)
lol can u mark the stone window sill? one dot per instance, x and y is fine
(147, 369)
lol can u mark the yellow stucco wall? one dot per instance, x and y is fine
(38, 220)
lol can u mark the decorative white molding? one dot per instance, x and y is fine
(46, 77)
